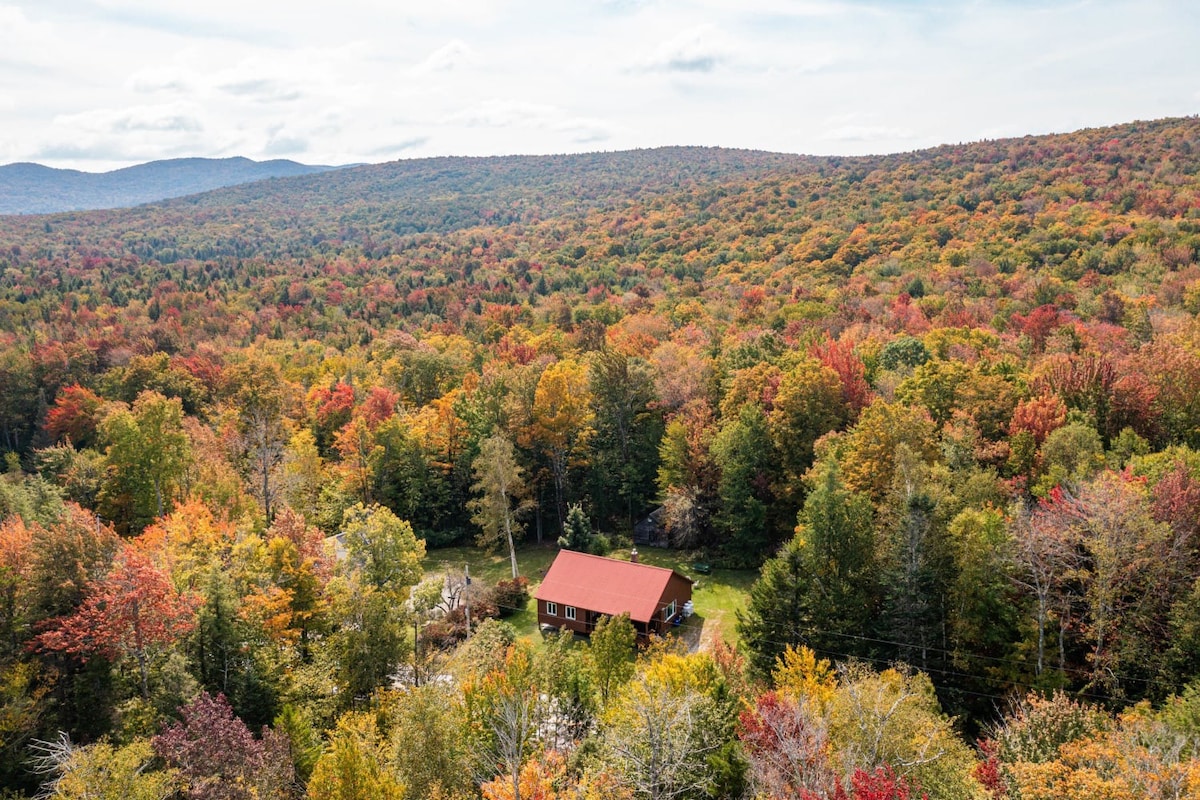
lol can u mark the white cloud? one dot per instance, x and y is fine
(158, 79)
(867, 133)
(111, 136)
(263, 90)
(707, 49)
(111, 150)
(453, 55)
(697, 50)
(500, 114)
(168, 117)
(259, 79)
(522, 114)
(806, 9)
(23, 40)
(283, 143)
(101, 83)
(394, 149)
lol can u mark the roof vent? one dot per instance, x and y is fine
(633, 556)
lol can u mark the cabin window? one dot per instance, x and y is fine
(569, 611)
(669, 611)
(551, 609)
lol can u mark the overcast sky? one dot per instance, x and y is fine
(98, 84)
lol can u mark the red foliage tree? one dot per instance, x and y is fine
(1038, 324)
(908, 317)
(220, 759)
(74, 415)
(308, 539)
(882, 784)
(511, 351)
(204, 367)
(788, 748)
(131, 610)
(379, 406)
(333, 409)
(1092, 383)
(334, 405)
(987, 771)
(1175, 500)
(840, 357)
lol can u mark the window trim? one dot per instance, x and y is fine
(551, 609)
(669, 612)
(570, 613)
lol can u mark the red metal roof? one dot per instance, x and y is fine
(605, 585)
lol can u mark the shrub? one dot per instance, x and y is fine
(510, 596)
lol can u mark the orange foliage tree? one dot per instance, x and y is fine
(541, 778)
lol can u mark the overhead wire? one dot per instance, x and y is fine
(932, 669)
(909, 645)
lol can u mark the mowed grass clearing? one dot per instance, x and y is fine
(717, 597)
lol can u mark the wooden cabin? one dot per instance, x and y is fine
(579, 589)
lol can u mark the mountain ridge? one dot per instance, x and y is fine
(373, 208)
(31, 188)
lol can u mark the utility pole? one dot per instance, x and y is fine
(467, 596)
(416, 650)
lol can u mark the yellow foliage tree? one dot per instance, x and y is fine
(1139, 757)
(800, 675)
(103, 771)
(561, 424)
(807, 406)
(661, 728)
(186, 543)
(892, 719)
(354, 765)
(869, 450)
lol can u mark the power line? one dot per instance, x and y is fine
(893, 663)
(1078, 672)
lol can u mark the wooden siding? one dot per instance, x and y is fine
(679, 590)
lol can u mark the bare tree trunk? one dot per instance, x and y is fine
(559, 470)
(512, 548)
(140, 651)
(265, 468)
(416, 651)
(513, 727)
(1041, 636)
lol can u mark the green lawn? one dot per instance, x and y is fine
(487, 569)
(717, 597)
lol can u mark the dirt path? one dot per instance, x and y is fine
(711, 632)
(701, 633)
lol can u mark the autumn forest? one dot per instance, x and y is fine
(939, 412)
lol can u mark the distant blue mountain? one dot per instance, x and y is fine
(34, 189)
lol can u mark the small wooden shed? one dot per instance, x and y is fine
(579, 589)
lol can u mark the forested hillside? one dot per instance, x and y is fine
(948, 402)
